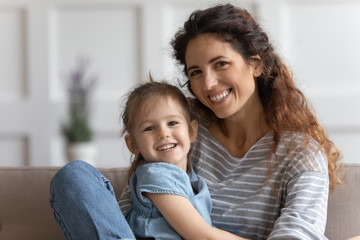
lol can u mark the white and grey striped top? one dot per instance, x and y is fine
(244, 202)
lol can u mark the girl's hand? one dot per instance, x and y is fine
(185, 219)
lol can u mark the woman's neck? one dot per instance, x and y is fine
(240, 132)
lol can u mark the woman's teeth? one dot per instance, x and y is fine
(166, 147)
(219, 97)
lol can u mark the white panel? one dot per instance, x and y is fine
(13, 151)
(112, 152)
(107, 36)
(349, 144)
(57, 151)
(322, 43)
(320, 40)
(337, 111)
(105, 115)
(12, 57)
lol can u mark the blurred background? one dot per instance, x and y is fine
(124, 40)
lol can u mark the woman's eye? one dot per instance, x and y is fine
(194, 73)
(172, 123)
(147, 129)
(221, 64)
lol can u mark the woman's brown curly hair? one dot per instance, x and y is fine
(285, 106)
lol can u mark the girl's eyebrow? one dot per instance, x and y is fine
(149, 120)
(210, 61)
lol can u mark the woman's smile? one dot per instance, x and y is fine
(219, 97)
(220, 77)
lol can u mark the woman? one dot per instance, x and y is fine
(266, 160)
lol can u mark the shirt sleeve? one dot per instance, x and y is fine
(161, 178)
(304, 213)
(125, 201)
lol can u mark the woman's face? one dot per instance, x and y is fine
(220, 77)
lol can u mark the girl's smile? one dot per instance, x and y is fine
(162, 133)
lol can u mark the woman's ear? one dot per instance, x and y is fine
(256, 65)
(193, 130)
(131, 145)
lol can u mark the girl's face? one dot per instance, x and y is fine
(219, 76)
(162, 134)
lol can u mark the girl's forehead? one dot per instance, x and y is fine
(150, 103)
(159, 103)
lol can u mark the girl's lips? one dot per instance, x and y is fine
(166, 147)
(218, 97)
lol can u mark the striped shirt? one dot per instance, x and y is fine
(292, 204)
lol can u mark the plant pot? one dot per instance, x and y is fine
(85, 151)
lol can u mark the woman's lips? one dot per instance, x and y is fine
(219, 96)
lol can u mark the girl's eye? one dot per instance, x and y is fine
(149, 129)
(194, 73)
(172, 123)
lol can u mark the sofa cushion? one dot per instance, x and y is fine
(25, 212)
(343, 220)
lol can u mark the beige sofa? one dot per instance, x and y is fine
(25, 212)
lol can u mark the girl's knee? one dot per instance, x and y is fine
(71, 175)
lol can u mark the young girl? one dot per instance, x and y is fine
(167, 198)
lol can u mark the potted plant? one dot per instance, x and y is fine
(77, 130)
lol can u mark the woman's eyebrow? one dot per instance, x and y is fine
(215, 58)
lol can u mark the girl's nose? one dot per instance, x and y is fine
(164, 132)
(210, 80)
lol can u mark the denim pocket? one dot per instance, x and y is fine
(108, 185)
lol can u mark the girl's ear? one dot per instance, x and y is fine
(131, 145)
(193, 130)
(256, 65)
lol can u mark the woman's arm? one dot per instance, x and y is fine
(305, 197)
(305, 208)
(185, 219)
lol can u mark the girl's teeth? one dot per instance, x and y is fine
(219, 97)
(166, 147)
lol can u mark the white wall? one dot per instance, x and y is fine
(125, 39)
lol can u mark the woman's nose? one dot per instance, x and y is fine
(209, 80)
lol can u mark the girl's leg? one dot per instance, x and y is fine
(85, 206)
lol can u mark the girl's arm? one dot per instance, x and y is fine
(185, 219)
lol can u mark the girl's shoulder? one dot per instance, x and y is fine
(161, 178)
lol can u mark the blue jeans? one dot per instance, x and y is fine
(85, 205)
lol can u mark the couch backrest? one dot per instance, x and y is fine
(25, 212)
(343, 220)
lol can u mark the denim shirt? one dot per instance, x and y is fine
(144, 218)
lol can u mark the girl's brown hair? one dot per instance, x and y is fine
(140, 100)
(285, 106)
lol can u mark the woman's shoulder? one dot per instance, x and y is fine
(302, 153)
